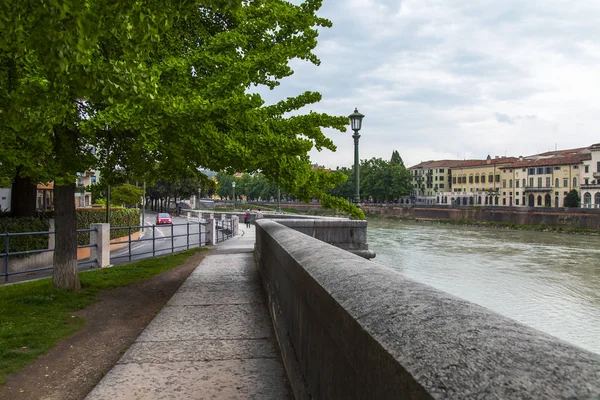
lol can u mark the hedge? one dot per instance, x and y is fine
(25, 242)
(118, 217)
(85, 217)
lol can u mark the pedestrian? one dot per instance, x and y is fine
(259, 214)
(247, 218)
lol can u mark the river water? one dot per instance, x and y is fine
(546, 280)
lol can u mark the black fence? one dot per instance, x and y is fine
(158, 240)
(153, 240)
(16, 254)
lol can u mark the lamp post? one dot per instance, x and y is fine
(233, 186)
(356, 123)
(278, 209)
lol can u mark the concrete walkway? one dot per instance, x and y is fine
(213, 340)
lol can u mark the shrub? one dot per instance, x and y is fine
(25, 242)
(118, 217)
(85, 217)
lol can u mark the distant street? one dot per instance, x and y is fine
(163, 242)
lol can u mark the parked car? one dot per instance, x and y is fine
(163, 218)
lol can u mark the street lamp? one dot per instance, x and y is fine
(356, 123)
(233, 186)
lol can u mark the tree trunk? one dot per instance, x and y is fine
(65, 272)
(23, 197)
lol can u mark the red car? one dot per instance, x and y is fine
(163, 218)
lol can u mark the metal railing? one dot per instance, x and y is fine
(155, 241)
(5, 256)
(224, 229)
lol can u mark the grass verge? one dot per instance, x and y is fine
(34, 316)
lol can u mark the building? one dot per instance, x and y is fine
(432, 179)
(590, 179)
(479, 182)
(540, 180)
(544, 180)
(83, 198)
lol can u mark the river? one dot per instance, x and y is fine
(546, 280)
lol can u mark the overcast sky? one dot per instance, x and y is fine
(456, 79)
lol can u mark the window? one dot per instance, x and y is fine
(524, 169)
(517, 201)
(476, 178)
(548, 180)
(491, 178)
(530, 182)
(539, 200)
(482, 178)
(540, 171)
(557, 168)
(503, 202)
(503, 183)
(548, 170)
(497, 178)
(503, 193)
(441, 185)
(517, 183)
(436, 178)
(531, 171)
(539, 182)
(441, 170)
(574, 183)
(587, 169)
(575, 166)
(598, 166)
(557, 182)
(597, 198)
(470, 178)
(586, 180)
(510, 183)
(587, 199)
(454, 180)
(566, 182)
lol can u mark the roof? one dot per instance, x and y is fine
(557, 159)
(437, 164)
(486, 162)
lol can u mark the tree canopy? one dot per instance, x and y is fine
(149, 89)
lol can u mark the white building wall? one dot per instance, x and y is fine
(5, 199)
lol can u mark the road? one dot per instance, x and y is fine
(163, 242)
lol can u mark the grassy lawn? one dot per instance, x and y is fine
(35, 315)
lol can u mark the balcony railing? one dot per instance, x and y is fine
(590, 186)
(538, 189)
(596, 175)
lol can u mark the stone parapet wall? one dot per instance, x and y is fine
(586, 218)
(350, 328)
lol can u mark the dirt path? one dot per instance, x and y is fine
(72, 368)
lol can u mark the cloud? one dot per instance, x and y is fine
(504, 119)
(432, 75)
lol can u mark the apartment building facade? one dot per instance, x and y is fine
(432, 179)
(590, 179)
(540, 180)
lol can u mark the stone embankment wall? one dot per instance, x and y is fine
(586, 218)
(350, 328)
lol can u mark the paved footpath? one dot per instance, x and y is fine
(213, 340)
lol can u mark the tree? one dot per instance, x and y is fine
(572, 199)
(396, 159)
(126, 194)
(155, 89)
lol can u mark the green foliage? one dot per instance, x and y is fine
(126, 194)
(379, 180)
(118, 217)
(572, 199)
(142, 90)
(25, 242)
(34, 316)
